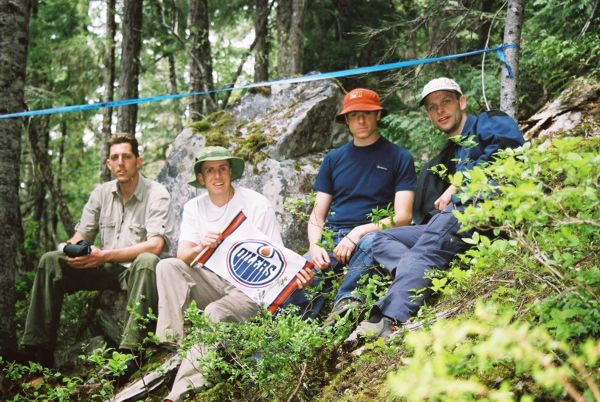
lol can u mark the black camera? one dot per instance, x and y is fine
(78, 249)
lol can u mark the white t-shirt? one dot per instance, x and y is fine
(200, 215)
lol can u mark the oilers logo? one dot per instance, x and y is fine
(255, 263)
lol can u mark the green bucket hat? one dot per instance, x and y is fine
(217, 154)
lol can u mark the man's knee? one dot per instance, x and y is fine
(50, 263)
(167, 268)
(145, 261)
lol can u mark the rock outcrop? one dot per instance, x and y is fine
(575, 110)
(282, 134)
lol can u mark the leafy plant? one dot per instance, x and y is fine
(266, 358)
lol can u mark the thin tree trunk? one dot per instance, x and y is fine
(130, 63)
(200, 60)
(14, 22)
(109, 86)
(38, 131)
(42, 162)
(290, 35)
(512, 34)
(244, 58)
(58, 185)
(261, 49)
(174, 90)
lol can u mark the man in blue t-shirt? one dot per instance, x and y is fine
(408, 253)
(367, 173)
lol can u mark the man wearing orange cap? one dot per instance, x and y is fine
(366, 173)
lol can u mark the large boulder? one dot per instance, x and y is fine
(281, 132)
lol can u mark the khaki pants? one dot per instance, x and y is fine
(178, 284)
(54, 278)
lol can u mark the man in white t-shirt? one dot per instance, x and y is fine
(204, 218)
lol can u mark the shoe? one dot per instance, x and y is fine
(372, 330)
(163, 376)
(342, 308)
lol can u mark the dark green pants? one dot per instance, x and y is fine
(54, 278)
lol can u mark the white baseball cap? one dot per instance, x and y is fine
(439, 84)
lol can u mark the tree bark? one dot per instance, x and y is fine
(290, 37)
(109, 86)
(512, 34)
(130, 64)
(174, 90)
(58, 185)
(14, 21)
(200, 61)
(261, 49)
(39, 132)
(43, 163)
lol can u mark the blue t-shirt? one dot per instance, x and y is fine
(363, 178)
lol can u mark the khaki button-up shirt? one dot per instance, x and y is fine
(146, 214)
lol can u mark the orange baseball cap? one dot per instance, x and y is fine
(360, 100)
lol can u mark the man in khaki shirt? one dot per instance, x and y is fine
(131, 213)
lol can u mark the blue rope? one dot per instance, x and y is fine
(306, 78)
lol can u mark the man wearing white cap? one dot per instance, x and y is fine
(409, 252)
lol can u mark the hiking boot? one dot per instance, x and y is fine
(372, 330)
(342, 308)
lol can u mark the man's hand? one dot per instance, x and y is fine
(211, 239)
(96, 258)
(304, 277)
(445, 199)
(343, 251)
(319, 257)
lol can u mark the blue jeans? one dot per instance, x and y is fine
(360, 264)
(408, 253)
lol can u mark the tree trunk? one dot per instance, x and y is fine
(14, 21)
(512, 34)
(43, 163)
(58, 185)
(109, 86)
(130, 63)
(200, 61)
(290, 37)
(174, 89)
(38, 131)
(261, 49)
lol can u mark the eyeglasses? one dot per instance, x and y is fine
(363, 113)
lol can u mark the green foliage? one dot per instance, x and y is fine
(36, 383)
(266, 358)
(541, 203)
(488, 357)
(300, 207)
(378, 214)
(413, 131)
(30, 244)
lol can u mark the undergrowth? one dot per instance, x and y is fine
(524, 301)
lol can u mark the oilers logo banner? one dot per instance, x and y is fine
(249, 260)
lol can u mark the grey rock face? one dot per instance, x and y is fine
(298, 120)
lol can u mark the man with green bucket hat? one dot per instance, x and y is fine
(179, 282)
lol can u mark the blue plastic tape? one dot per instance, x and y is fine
(306, 78)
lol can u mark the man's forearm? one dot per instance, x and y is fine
(153, 245)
